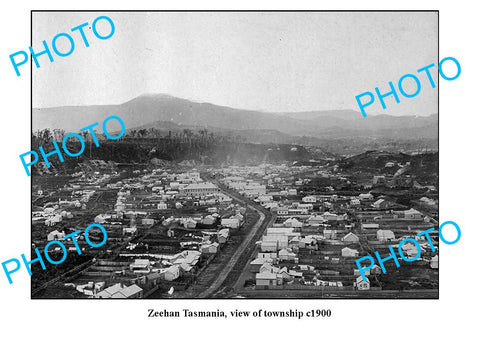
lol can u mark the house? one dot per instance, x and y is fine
(308, 242)
(293, 223)
(108, 292)
(209, 220)
(140, 266)
(356, 272)
(162, 206)
(55, 235)
(378, 180)
(280, 240)
(303, 206)
(362, 285)
(369, 226)
(267, 279)
(222, 235)
(189, 257)
(232, 223)
(209, 248)
(329, 234)
(281, 231)
(376, 270)
(284, 273)
(355, 201)
(131, 292)
(268, 267)
(257, 263)
(286, 254)
(189, 223)
(351, 237)
(434, 262)
(385, 235)
(172, 273)
(412, 214)
(380, 204)
(365, 197)
(267, 255)
(410, 251)
(101, 218)
(154, 279)
(292, 192)
(265, 198)
(268, 246)
(255, 189)
(148, 221)
(348, 252)
(328, 216)
(315, 220)
(129, 231)
(309, 199)
(239, 217)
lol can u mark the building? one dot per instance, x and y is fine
(413, 214)
(189, 223)
(362, 285)
(267, 279)
(348, 252)
(376, 270)
(385, 235)
(257, 263)
(286, 254)
(162, 206)
(222, 235)
(209, 220)
(119, 291)
(172, 273)
(380, 204)
(293, 223)
(232, 223)
(209, 248)
(377, 180)
(131, 292)
(356, 272)
(315, 220)
(140, 266)
(365, 197)
(309, 199)
(199, 189)
(148, 221)
(369, 226)
(108, 292)
(351, 238)
(268, 246)
(329, 234)
(55, 235)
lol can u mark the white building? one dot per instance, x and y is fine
(199, 189)
(309, 199)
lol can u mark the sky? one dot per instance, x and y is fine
(274, 62)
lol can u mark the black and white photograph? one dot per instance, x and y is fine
(224, 156)
(211, 169)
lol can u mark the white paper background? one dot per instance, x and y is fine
(453, 315)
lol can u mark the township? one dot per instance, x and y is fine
(272, 230)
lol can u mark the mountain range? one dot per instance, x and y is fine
(168, 112)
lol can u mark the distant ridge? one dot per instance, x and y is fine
(150, 108)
